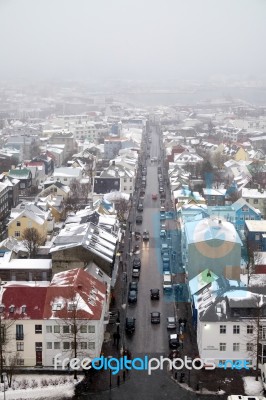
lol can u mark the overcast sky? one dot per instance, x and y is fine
(142, 39)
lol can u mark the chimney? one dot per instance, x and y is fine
(79, 286)
(220, 221)
(113, 162)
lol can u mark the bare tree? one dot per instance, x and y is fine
(122, 208)
(32, 240)
(5, 337)
(12, 367)
(73, 328)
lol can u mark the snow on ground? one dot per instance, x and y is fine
(39, 387)
(252, 387)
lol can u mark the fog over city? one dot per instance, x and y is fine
(126, 39)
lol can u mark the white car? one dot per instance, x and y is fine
(171, 323)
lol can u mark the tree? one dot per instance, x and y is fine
(122, 208)
(255, 332)
(5, 337)
(78, 194)
(32, 240)
(72, 327)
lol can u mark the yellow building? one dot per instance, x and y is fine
(241, 155)
(30, 217)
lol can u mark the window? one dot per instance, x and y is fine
(17, 234)
(66, 329)
(20, 346)
(236, 346)
(19, 332)
(18, 223)
(38, 346)
(3, 333)
(91, 346)
(222, 346)
(83, 328)
(247, 200)
(49, 329)
(66, 345)
(38, 328)
(255, 201)
(49, 345)
(20, 361)
(250, 329)
(71, 306)
(257, 236)
(249, 346)
(236, 329)
(83, 345)
(91, 329)
(263, 332)
(222, 329)
(57, 345)
(56, 329)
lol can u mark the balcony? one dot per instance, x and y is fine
(20, 336)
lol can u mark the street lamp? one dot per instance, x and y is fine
(4, 375)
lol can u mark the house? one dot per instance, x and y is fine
(65, 138)
(244, 211)
(42, 318)
(211, 243)
(38, 172)
(226, 213)
(24, 176)
(13, 246)
(66, 174)
(55, 204)
(256, 198)
(77, 245)
(13, 190)
(54, 187)
(47, 161)
(4, 211)
(28, 215)
(255, 232)
(103, 185)
(226, 320)
(126, 175)
(26, 270)
(214, 197)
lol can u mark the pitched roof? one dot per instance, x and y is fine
(74, 286)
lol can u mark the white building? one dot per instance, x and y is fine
(40, 320)
(225, 317)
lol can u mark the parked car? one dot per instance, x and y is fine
(130, 325)
(174, 341)
(135, 273)
(136, 263)
(154, 196)
(133, 286)
(146, 235)
(155, 294)
(139, 219)
(132, 296)
(155, 317)
(171, 323)
(164, 248)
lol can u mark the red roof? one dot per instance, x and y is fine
(33, 297)
(75, 285)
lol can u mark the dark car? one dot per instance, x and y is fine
(139, 219)
(132, 296)
(146, 235)
(130, 325)
(133, 286)
(155, 317)
(174, 341)
(136, 263)
(155, 294)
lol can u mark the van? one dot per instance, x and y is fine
(167, 281)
